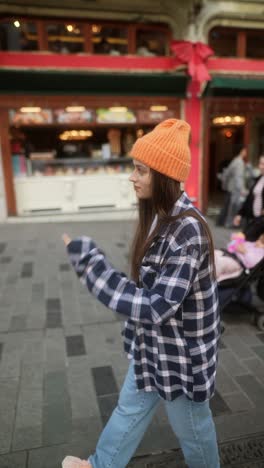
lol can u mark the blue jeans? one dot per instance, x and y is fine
(192, 423)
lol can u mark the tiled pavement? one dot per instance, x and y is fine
(62, 364)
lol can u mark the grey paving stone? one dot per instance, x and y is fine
(8, 393)
(84, 402)
(71, 310)
(75, 345)
(14, 460)
(154, 437)
(51, 457)
(37, 292)
(239, 424)
(88, 430)
(29, 251)
(55, 354)
(6, 313)
(26, 438)
(252, 388)
(238, 402)
(5, 260)
(106, 406)
(27, 270)
(256, 367)
(259, 350)
(218, 405)
(65, 267)
(225, 384)
(52, 284)
(260, 336)
(231, 363)
(104, 380)
(29, 407)
(56, 415)
(53, 305)
(18, 322)
(238, 346)
(2, 247)
(36, 318)
(12, 356)
(54, 319)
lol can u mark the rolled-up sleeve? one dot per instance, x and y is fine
(122, 295)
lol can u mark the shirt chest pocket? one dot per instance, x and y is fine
(149, 272)
(152, 263)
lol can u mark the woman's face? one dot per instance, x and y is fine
(261, 165)
(142, 180)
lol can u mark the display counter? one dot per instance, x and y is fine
(69, 186)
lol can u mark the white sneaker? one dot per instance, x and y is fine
(73, 462)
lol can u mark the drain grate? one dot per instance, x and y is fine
(241, 453)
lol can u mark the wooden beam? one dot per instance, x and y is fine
(7, 163)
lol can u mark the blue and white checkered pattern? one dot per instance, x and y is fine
(172, 329)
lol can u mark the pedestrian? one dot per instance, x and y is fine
(233, 183)
(252, 210)
(171, 305)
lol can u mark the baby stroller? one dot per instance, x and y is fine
(239, 290)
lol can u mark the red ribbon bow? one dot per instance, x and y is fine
(195, 54)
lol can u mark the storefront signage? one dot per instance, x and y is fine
(78, 116)
(115, 116)
(149, 117)
(35, 116)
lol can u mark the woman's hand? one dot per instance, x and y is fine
(66, 239)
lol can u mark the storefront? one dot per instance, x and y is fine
(66, 137)
(234, 117)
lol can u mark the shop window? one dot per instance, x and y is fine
(109, 39)
(255, 44)
(65, 38)
(18, 35)
(151, 42)
(223, 42)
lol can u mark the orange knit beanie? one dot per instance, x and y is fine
(166, 149)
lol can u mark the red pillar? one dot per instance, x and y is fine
(193, 116)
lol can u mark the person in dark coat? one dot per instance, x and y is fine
(252, 210)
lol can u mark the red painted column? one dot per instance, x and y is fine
(193, 116)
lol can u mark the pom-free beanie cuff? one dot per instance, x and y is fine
(166, 149)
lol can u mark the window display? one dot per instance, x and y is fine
(79, 166)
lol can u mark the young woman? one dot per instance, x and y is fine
(171, 305)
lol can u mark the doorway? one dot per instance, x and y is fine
(225, 143)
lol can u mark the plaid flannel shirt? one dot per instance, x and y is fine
(172, 329)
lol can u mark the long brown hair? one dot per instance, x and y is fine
(165, 192)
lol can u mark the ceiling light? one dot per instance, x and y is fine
(75, 135)
(158, 108)
(118, 109)
(229, 120)
(30, 109)
(75, 109)
(69, 27)
(17, 24)
(96, 29)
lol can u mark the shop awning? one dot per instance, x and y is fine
(69, 82)
(235, 86)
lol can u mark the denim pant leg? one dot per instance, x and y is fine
(193, 424)
(126, 427)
